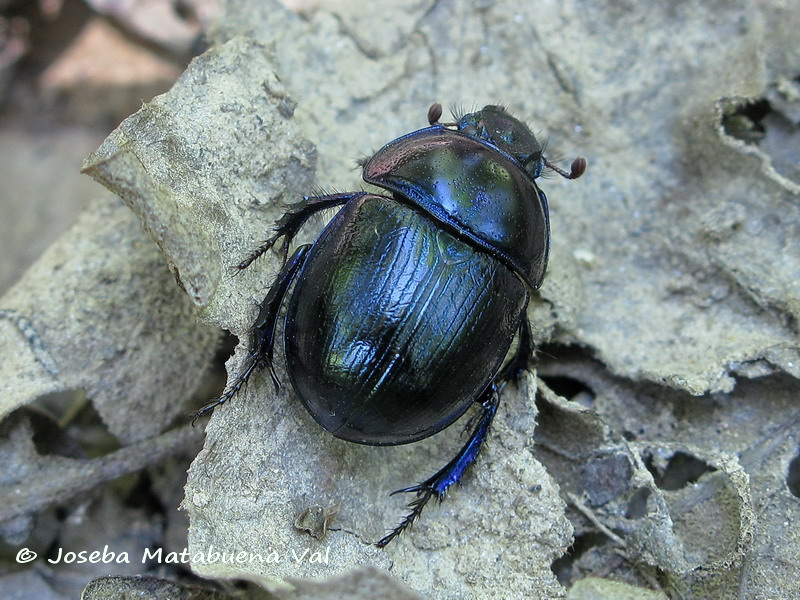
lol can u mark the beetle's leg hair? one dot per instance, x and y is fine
(453, 471)
(290, 223)
(263, 332)
(523, 356)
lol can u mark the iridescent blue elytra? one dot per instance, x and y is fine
(407, 344)
(401, 314)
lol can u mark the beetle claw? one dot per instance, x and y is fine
(416, 505)
(422, 487)
(209, 408)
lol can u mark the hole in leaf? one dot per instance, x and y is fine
(66, 424)
(681, 470)
(563, 566)
(49, 438)
(570, 388)
(745, 121)
(637, 505)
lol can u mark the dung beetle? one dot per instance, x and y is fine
(401, 314)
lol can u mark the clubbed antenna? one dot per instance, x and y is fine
(434, 113)
(576, 170)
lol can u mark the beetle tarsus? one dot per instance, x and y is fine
(415, 506)
(262, 249)
(274, 376)
(232, 390)
(453, 471)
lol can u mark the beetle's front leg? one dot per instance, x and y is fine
(263, 332)
(453, 471)
(290, 223)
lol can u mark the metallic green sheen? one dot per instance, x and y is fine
(395, 326)
(473, 187)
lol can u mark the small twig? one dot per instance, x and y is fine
(587, 512)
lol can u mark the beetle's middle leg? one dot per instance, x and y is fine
(290, 223)
(263, 332)
(523, 356)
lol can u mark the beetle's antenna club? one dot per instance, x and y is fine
(576, 170)
(435, 113)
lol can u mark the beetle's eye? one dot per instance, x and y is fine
(532, 157)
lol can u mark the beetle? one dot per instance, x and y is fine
(401, 314)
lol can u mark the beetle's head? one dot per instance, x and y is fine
(494, 125)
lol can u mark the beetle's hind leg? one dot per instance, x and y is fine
(479, 423)
(453, 471)
(263, 338)
(290, 223)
